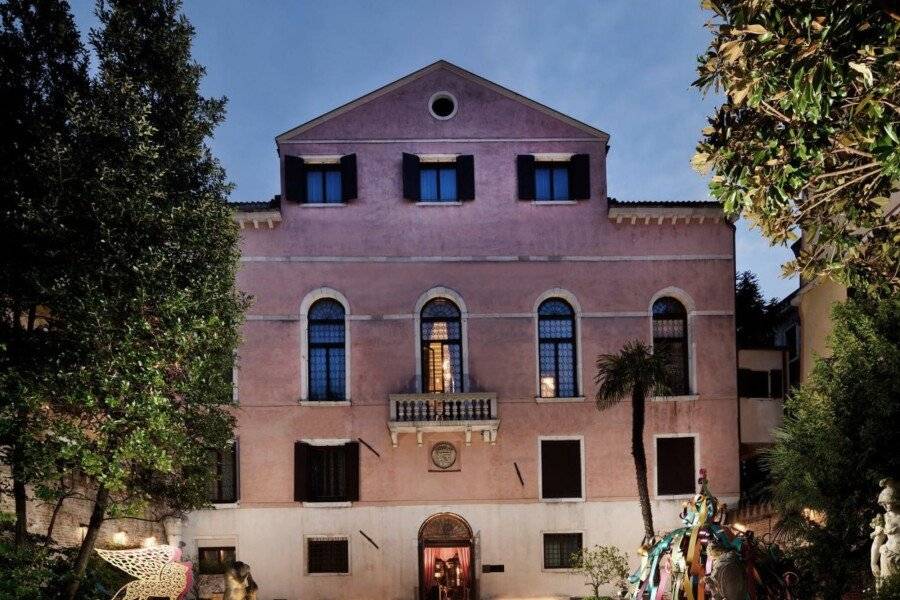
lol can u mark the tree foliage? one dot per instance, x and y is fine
(634, 372)
(42, 70)
(839, 438)
(137, 304)
(754, 316)
(808, 135)
(601, 565)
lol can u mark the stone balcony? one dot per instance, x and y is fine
(424, 413)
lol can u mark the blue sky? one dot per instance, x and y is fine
(624, 66)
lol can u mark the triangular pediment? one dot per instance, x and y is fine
(401, 98)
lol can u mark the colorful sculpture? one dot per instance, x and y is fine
(704, 560)
(157, 570)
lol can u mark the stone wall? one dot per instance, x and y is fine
(76, 512)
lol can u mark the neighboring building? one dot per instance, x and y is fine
(814, 300)
(431, 290)
(761, 389)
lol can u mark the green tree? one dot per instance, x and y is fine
(808, 135)
(839, 438)
(754, 317)
(636, 372)
(42, 71)
(146, 317)
(601, 565)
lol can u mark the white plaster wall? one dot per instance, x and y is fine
(761, 359)
(271, 541)
(759, 419)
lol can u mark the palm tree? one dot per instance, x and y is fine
(640, 372)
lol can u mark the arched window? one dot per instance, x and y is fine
(327, 375)
(556, 349)
(441, 341)
(670, 338)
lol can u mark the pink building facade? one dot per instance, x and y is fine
(430, 293)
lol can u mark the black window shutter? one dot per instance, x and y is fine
(465, 177)
(776, 378)
(411, 177)
(561, 468)
(348, 177)
(580, 177)
(525, 174)
(675, 469)
(301, 457)
(237, 469)
(352, 470)
(294, 179)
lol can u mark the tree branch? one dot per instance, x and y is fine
(774, 112)
(845, 171)
(832, 192)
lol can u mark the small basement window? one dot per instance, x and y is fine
(327, 555)
(559, 549)
(442, 106)
(214, 561)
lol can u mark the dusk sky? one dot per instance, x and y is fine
(624, 66)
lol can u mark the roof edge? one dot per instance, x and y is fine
(389, 87)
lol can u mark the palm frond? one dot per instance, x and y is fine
(634, 367)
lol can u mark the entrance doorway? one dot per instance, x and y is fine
(446, 559)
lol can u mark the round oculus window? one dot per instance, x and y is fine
(442, 105)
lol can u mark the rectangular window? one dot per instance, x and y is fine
(323, 184)
(561, 469)
(326, 473)
(223, 489)
(437, 182)
(327, 555)
(760, 384)
(676, 472)
(753, 384)
(559, 549)
(214, 561)
(551, 181)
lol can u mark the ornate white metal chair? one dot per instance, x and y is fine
(157, 570)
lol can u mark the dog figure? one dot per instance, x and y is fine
(239, 584)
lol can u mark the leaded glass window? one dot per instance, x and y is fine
(326, 351)
(441, 339)
(670, 339)
(556, 349)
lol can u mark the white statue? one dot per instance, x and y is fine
(885, 555)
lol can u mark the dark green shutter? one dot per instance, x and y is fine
(525, 175)
(352, 470)
(348, 177)
(580, 177)
(561, 468)
(411, 177)
(301, 458)
(294, 179)
(465, 177)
